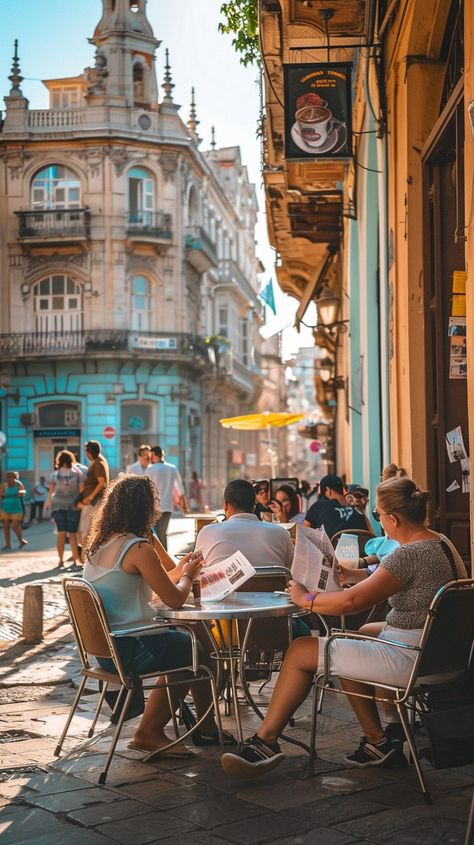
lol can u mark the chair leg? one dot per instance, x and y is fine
(103, 774)
(470, 824)
(98, 709)
(216, 709)
(315, 709)
(57, 750)
(402, 712)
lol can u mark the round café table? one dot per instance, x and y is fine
(236, 606)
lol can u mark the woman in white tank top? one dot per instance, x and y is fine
(127, 564)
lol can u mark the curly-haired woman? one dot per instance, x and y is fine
(126, 564)
(409, 578)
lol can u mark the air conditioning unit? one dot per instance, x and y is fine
(27, 419)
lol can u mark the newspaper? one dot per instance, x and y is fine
(314, 561)
(221, 579)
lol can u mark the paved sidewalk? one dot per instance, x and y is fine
(50, 801)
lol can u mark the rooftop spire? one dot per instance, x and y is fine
(15, 76)
(193, 122)
(167, 84)
(213, 138)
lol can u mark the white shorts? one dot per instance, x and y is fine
(87, 512)
(374, 662)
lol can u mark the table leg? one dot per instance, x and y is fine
(233, 663)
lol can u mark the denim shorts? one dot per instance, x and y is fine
(155, 653)
(67, 519)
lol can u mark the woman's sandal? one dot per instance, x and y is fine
(200, 739)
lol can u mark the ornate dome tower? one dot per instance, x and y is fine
(124, 69)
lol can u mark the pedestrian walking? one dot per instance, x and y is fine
(144, 458)
(97, 479)
(12, 493)
(39, 495)
(64, 491)
(196, 486)
(168, 480)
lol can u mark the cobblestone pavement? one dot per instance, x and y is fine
(49, 801)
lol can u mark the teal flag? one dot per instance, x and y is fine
(266, 295)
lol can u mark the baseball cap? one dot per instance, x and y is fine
(331, 481)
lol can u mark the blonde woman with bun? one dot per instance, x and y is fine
(408, 578)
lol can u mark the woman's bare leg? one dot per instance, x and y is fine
(151, 730)
(60, 544)
(16, 525)
(6, 529)
(365, 709)
(292, 687)
(74, 549)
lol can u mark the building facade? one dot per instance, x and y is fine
(380, 239)
(127, 266)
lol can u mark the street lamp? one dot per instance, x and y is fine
(328, 303)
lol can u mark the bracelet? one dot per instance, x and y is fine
(310, 597)
(312, 603)
(187, 575)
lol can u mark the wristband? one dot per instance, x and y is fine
(310, 597)
(187, 575)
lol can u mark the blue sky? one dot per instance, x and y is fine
(53, 42)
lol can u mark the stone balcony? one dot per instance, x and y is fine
(231, 274)
(200, 250)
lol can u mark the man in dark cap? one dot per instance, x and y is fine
(331, 511)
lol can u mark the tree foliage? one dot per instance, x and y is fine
(241, 19)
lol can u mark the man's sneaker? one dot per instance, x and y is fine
(395, 733)
(386, 754)
(255, 758)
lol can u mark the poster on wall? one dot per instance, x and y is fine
(318, 111)
(457, 348)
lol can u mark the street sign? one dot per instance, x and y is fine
(315, 446)
(109, 432)
(3, 439)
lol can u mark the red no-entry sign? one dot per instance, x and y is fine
(109, 432)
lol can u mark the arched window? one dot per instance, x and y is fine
(193, 208)
(56, 186)
(141, 197)
(57, 305)
(141, 304)
(138, 84)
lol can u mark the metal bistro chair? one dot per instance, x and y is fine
(95, 639)
(442, 657)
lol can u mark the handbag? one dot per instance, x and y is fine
(451, 736)
(450, 730)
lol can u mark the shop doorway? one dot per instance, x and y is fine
(445, 339)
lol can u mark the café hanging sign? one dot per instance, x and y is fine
(318, 111)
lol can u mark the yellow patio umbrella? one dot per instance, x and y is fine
(263, 422)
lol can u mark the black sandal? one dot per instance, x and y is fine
(200, 739)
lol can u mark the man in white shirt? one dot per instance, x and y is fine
(144, 458)
(263, 543)
(167, 479)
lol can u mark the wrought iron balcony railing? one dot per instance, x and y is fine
(51, 223)
(167, 345)
(149, 224)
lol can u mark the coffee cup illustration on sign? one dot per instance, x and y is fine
(315, 126)
(314, 119)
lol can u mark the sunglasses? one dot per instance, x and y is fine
(377, 514)
(263, 490)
